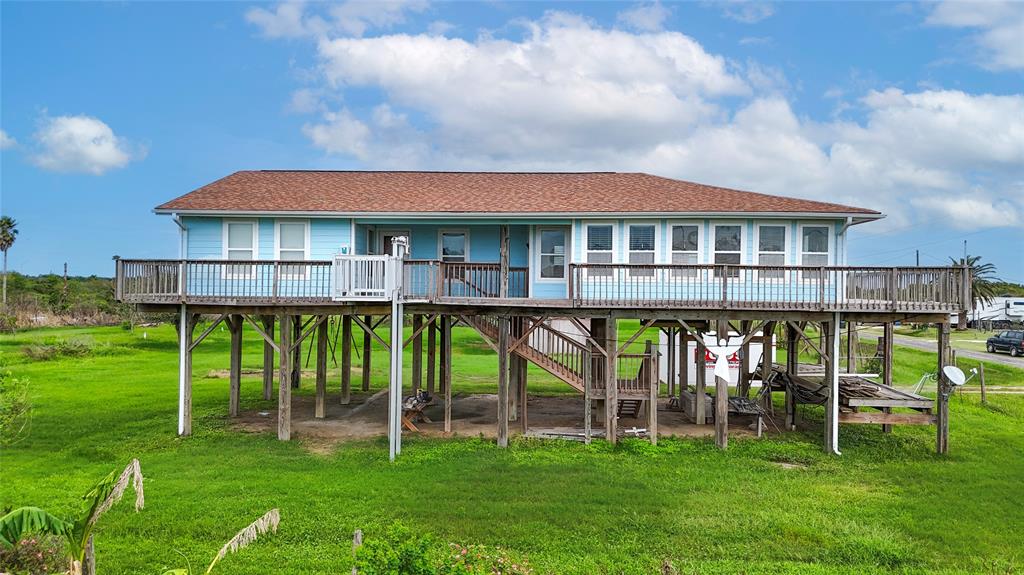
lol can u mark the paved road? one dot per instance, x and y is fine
(923, 344)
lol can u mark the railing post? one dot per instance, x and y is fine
(725, 286)
(821, 286)
(572, 285)
(276, 280)
(182, 280)
(892, 289)
(118, 279)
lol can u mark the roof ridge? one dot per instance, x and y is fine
(514, 172)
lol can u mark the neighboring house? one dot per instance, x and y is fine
(515, 251)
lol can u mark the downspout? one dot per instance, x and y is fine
(183, 237)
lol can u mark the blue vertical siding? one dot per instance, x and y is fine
(266, 239)
(327, 237)
(205, 238)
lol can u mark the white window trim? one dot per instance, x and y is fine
(537, 254)
(585, 240)
(657, 243)
(277, 245)
(440, 243)
(255, 247)
(787, 245)
(381, 232)
(799, 244)
(700, 245)
(743, 240)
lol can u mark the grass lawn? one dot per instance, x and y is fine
(889, 504)
(972, 339)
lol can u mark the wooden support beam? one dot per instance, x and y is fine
(268, 356)
(942, 391)
(887, 419)
(207, 331)
(670, 333)
(523, 422)
(320, 409)
(611, 383)
(588, 375)
(743, 385)
(431, 354)
(417, 352)
(284, 390)
(515, 328)
(643, 327)
(367, 347)
(887, 337)
(792, 368)
(446, 369)
(296, 352)
(800, 333)
(503, 323)
(346, 359)
(653, 377)
(721, 396)
(235, 371)
(767, 361)
(684, 365)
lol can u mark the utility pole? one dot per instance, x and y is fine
(917, 257)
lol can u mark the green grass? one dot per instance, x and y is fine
(889, 504)
(972, 339)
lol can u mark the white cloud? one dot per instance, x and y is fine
(81, 144)
(756, 41)
(645, 17)
(6, 142)
(570, 95)
(304, 101)
(440, 28)
(999, 25)
(353, 18)
(747, 11)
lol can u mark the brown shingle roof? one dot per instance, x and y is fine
(480, 193)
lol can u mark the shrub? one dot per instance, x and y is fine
(59, 348)
(34, 555)
(397, 550)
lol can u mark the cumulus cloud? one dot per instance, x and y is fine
(999, 25)
(645, 17)
(571, 95)
(6, 142)
(353, 18)
(81, 144)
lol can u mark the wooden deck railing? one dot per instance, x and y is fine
(750, 287)
(667, 286)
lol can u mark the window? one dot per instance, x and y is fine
(371, 241)
(685, 246)
(813, 248)
(771, 250)
(454, 246)
(293, 246)
(641, 248)
(552, 253)
(239, 244)
(599, 248)
(728, 242)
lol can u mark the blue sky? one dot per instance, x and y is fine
(108, 109)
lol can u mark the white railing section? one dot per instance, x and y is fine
(362, 278)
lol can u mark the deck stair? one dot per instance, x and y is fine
(630, 408)
(562, 356)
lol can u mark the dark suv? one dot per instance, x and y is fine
(1011, 341)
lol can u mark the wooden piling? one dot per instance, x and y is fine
(186, 328)
(670, 379)
(235, 371)
(284, 390)
(503, 327)
(611, 384)
(653, 379)
(417, 353)
(446, 370)
(296, 362)
(831, 348)
(320, 409)
(942, 391)
(700, 414)
(346, 359)
(792, 367)
(431, 355)
(981, 382)
(684, 365)
(743, 384)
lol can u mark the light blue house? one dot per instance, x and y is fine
(541, 265)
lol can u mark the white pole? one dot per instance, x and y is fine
(834, 386)
(183, 374)
(395, 388)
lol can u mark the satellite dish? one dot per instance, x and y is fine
(954, 375)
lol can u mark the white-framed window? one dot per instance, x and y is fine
(291, 244)
(387, 237)
(771, 243)
(685, 244)
(727, 242)
(642, 244)
(240, 243)
(600, 247)
(553, 244)
(453, 245)
(371, 241)
(815, 247)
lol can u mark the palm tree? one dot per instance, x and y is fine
(8, 233)
(983, 284)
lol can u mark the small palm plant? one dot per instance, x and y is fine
(268, 522)
(76, 531)
(983, 284)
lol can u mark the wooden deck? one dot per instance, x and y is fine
(369, 279)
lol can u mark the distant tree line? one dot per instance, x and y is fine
(52, 299)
